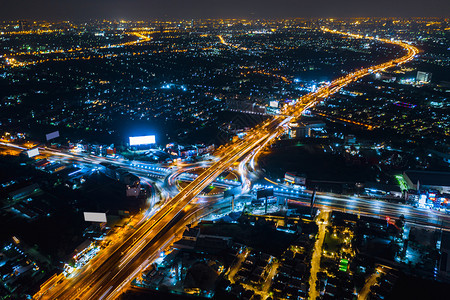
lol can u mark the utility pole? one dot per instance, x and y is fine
(265, 208)
(313, 198)
(232, 203)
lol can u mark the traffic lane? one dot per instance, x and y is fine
(99, 269)
(375, 205)
(110, 281)
(197, 212)
(157, 244)
(312, 97)
(185, 217)
(109, 269)
(96, 263)
(196, 189)
(378, 208)
(164, 223)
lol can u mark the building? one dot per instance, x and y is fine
(110, 170)
(189, 239)
(245, 107)
(294, 178)
(187, 151)
(444, 263)
(203, 149)
(305, 129)
(131, 181)
(24, 191)
(385, 191)
(350, 139)
(427, 180)
(423, 77)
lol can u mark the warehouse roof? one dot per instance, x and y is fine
(429, 178)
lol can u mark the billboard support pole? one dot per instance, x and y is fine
(313, 198)
(265, 209)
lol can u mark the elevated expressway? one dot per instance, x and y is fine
(108, 274)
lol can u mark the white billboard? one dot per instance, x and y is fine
(273, 104)
(52, 135)
(33, 152)
(142, 140)
(95, 217)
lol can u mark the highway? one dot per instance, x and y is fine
(107, 275)
(371, 207)
(364, 206)
(12, 62)
(120, 259)
(351, 204)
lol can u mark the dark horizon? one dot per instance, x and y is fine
(53, 10)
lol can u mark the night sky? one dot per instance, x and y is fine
(188, 9)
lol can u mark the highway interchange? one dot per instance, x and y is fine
(108, 274)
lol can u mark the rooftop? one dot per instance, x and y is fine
(429, 177)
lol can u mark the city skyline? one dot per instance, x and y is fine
(230, 159)
(202, 9)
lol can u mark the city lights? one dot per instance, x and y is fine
(294, 159)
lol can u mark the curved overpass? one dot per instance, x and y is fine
(106, 277)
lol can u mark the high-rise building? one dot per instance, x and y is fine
(423, 77)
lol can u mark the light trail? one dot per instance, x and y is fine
(157, 229)
(12, 62)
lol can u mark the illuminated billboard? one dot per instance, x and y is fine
(274, 104)
(52, 135)
(142, 140)
(33, 152)
(94, 217)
